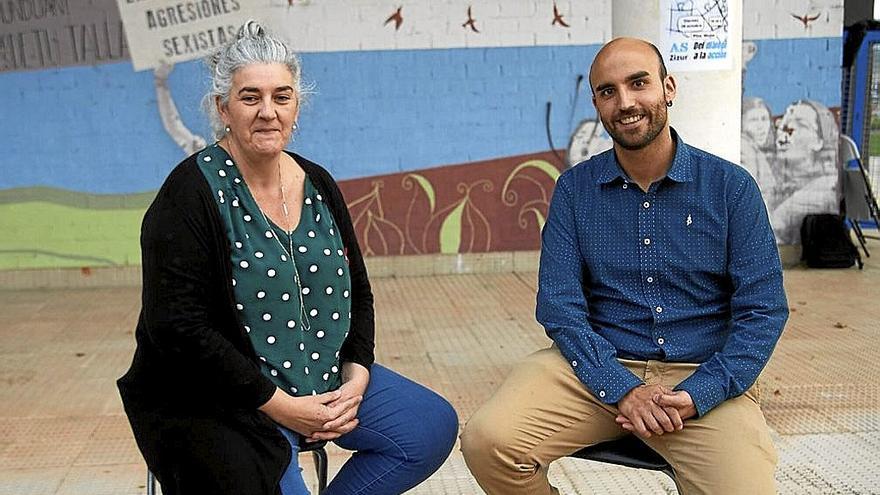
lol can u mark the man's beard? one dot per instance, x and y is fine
(656, 117)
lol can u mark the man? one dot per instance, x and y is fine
(661, 287)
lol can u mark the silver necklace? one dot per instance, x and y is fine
(306, 324)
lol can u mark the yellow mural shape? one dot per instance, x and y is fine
(450, 231)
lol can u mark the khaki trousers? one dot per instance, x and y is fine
(543, 412)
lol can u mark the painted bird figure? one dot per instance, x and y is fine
(471, 22)
(557, 17)
(397, 17)
(806, 19)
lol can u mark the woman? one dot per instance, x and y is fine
(758, 148)
(256, 330)
(807, 144)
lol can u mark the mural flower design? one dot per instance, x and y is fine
(460, 227)
(377, 234)
(454, 209)
(416, 209)
(536, 173)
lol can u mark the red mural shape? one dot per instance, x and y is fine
(376, 234)
(493, 205)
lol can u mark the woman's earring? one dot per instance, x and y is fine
(669, 103)
(295, 127)
(227, 129)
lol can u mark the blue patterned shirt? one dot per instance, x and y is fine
(686, 272)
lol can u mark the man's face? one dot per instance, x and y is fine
(628, 93)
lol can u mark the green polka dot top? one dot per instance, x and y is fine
(295, 307)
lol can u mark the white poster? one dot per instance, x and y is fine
(170, 31)
(694, 35)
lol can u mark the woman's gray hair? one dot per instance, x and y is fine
(253, 45)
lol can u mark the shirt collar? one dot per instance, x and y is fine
(680, 171)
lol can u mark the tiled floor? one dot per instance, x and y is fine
(62, 430)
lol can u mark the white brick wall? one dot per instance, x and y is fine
(773, 19)
(341, 25)
(351, 25)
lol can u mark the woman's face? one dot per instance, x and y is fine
(798, 135)
(756, 124)
(262, 108)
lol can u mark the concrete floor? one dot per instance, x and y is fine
(62, 430)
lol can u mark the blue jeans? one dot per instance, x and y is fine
(404, 434)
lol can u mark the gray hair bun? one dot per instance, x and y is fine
(251, 29)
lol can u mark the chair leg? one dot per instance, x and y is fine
(151, 483)
(320, 456)
(669, 472)
(860, 236)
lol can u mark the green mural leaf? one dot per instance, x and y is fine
(427, 187)
(541, 220)
(542, 165)
(450, 231)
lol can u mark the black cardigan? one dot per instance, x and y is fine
(194, 385)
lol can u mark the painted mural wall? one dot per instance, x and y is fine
(791, 108)
(447, 122)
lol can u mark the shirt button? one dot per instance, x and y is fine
(650, 280)
(658, 309)
(646, 204)
(647, 241)
(602, 394)
(625, 185)
(660, 341)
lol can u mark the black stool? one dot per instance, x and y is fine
(320, 456)
(316, 448)
(627, 451)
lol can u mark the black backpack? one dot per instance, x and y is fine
(826, 242)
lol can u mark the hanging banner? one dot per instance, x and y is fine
(694, 35)
(47, 34)
(170, 31)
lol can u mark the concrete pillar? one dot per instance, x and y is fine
(707, 109)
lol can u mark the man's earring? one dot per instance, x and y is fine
(669, 103)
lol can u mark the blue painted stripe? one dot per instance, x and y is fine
(97, 129)
(786, 70)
